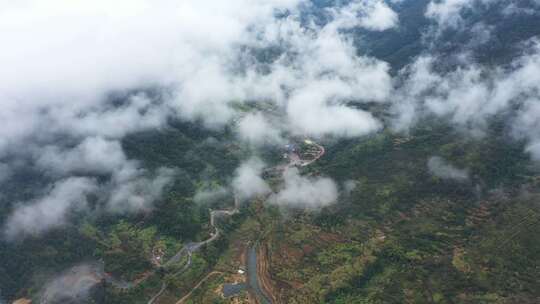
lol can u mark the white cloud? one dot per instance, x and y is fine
(309, 113)
(534, 149)
(248, 182)
(514, 8)
(441, 168)
(527, 124)
(132, 189)
(5, 172)
(380, 17)
(305, 192)
(210, 195)
(447, 13)
(93, 155)
(322, 72)
(469, 96)
(74, 284)
(67, 56)
(370, 14)
(128, 187)
(62, 60)
(49, 211)
(451, 13)
(349, 186)
(256, 129)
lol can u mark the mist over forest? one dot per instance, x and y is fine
(270, 151)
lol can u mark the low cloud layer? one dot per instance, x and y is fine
(93, 155)
(447, 13)
(374, 15)
(132, 187)
(67, 67)
(470, 95)
(527, 124)
(72, 286)
(439, 167)
(87, 74)
(129, 187)
(5, 172)
(296, 192)
(248, 181)
(305, 192)
(134, 190)
(258, 130)
(209, 196)
(129, 190)
(50, 211)
(450, 13)
(349, 186)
